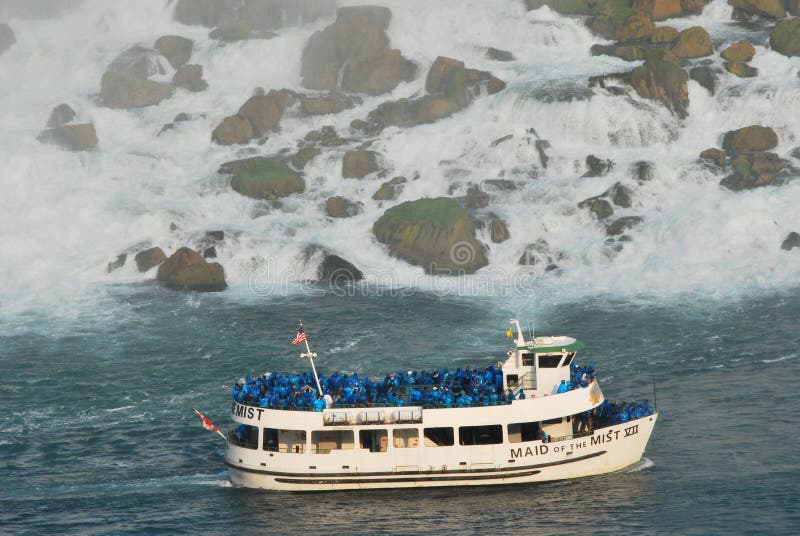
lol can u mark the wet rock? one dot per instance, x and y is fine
(149, 258)
(338, 271)
(693, 6)
(785, 37)
(620, 225)
(7, 37)
(740, 69)
(359, 163)
(183, 116)
(739, 51)
(596, 166)
(80, 137)
(340, 207)
(264, 112)
(186, 269)
(325, 136)
(540, 253)
(772, 9)
(117, 263)
(138, 62)
(663, 80)
(263, 177)
(239, 31)
(791, 241)
(664, 35)
(665, 9)
(693, 42)
(623, 21)
(437, 234)
(705, 76)
(234, 129)
(600, 208)
(330, 103)
(304, 156)
(620, 195)
(475, 198)
(121, 91)
(390, 190)
(541, 148)
(262, 14)
(643, 171)
(210, 252)
(61, 115)
(499, 231)
(497, 54)
(749, 139)
(177, 49)
(379, 74)
(753, 170)
(501, 184)
(625, 52)
(717, 156)
(190, 77)
(498, 141)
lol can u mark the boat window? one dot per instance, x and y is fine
(553, 421)
(324, 441)
(373, 440)
(549, 361)
(512, 380)
(405, 438)
(291, 441)
(439, 437)
(523, 431)
(568, 360)
(528, 360)
(245, 436)
(491, 434)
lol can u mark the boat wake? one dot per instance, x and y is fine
(641, 465)
(779, 359)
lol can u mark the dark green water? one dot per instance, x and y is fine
(98, 435)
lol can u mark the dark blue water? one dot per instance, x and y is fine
(98, 434)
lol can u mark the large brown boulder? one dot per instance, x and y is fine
(753, 170)
(356, 42)
(138, 62)
(739, 51)
(665, 9)
(121, 91)
(436, 234)
(664, 34)
(693, 42)
(7, 37)
(624, 20)
(234, 129)
(663, 80)
(359, 163)
(188, 270)
(175, 48)
(73, 137)
(390, 189)
(785, 37)
(772, 9)
(740, 69)
(341, 207)
(263, 111)
(750, 139)
(263, 177)
(149, 258)
(717, 156)
(330, 103)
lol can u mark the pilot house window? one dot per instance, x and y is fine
(528, 360)
(549, 361)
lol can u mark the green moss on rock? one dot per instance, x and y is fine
(263, 177)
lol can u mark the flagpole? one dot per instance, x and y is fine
(310, 355)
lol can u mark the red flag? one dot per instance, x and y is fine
(208, 425)
(300, 337)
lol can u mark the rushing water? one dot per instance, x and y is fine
(99, 372)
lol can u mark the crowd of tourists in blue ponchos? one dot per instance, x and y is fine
(462, 387)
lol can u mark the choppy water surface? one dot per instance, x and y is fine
(98, 433)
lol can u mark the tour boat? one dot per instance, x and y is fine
(534, 417)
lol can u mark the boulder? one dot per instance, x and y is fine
(625, 52)
(643, 171)
(149, 258)
(437, 234)
(325, 136)
(264, 14)
(475, 198)
(717, 156)
(791, 241)
(338, 271)
(752, 170)
(330, 103)
(693, 6)
(620, 225)
(190, 77)
(389, 190)
(177, 49)
(412, 112)
(138, 62)
(600, 208)
(739, 51)
(234, 129)
(771, 9)
(663, 35)
(262, 177)
(7, 37)
(662, 79)
(359, 163)
(340, 207)
(117, 263)
(665, 9)
(497, 54)
(620, 195)
(73, 137)
(596, 167)
(187, 269)
(264, 112)
(61, 115)
(693, 42)
(750, 139)
(540, 253)
(740, 69)
(541, 147)
(499, 231)
(377, 74)
(785, 37)
(304, 156)
(625, 20)
(706, 76)
(239, 31)
(122, 91)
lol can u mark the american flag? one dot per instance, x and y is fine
(300, 337)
